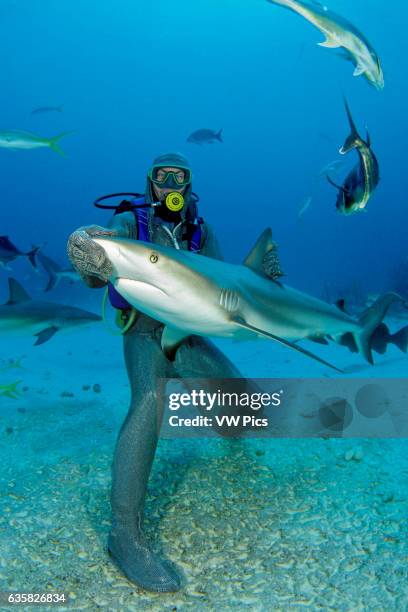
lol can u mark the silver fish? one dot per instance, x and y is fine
(341, 33)
(21, 140)
(205, 136)
(304, 205)
(46, 109)
(362, 180)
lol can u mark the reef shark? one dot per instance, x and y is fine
(21, 314)
(194, 294)
(341, 33)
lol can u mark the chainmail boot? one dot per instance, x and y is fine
(133, 460)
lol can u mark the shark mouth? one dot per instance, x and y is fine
(131, 283)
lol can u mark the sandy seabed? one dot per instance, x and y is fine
(260, 524)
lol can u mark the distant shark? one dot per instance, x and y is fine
(21, 314)
(194, 294)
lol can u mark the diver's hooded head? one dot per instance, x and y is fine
(172, 160)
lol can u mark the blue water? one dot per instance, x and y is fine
(136, 78)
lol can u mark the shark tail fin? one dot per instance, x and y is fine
(218, 135)
(32, 256)
(53, 143)
(400, 339)
(52, 269)
(370, 320)
(354, 137)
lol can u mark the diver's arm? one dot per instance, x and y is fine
(209, 243)
(92, 281)
(92, 263)
(124, 225)
(88, 258)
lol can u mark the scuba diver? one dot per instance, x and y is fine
(166, 215)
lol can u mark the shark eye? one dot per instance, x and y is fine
(154, 258)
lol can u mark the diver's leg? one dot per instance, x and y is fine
(134, 453)
(198, 357)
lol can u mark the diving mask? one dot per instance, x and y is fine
(170, 179)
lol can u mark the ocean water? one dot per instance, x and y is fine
(260, 524)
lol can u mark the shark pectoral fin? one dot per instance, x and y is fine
(330, 43)
(241, 323)
(171, 340)
(45, 334)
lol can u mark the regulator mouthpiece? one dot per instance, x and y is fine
(174, 201)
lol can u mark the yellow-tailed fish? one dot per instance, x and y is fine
(21, 140)
(10, 390)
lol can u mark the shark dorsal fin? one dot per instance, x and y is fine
(17, 293)
(263, 245)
